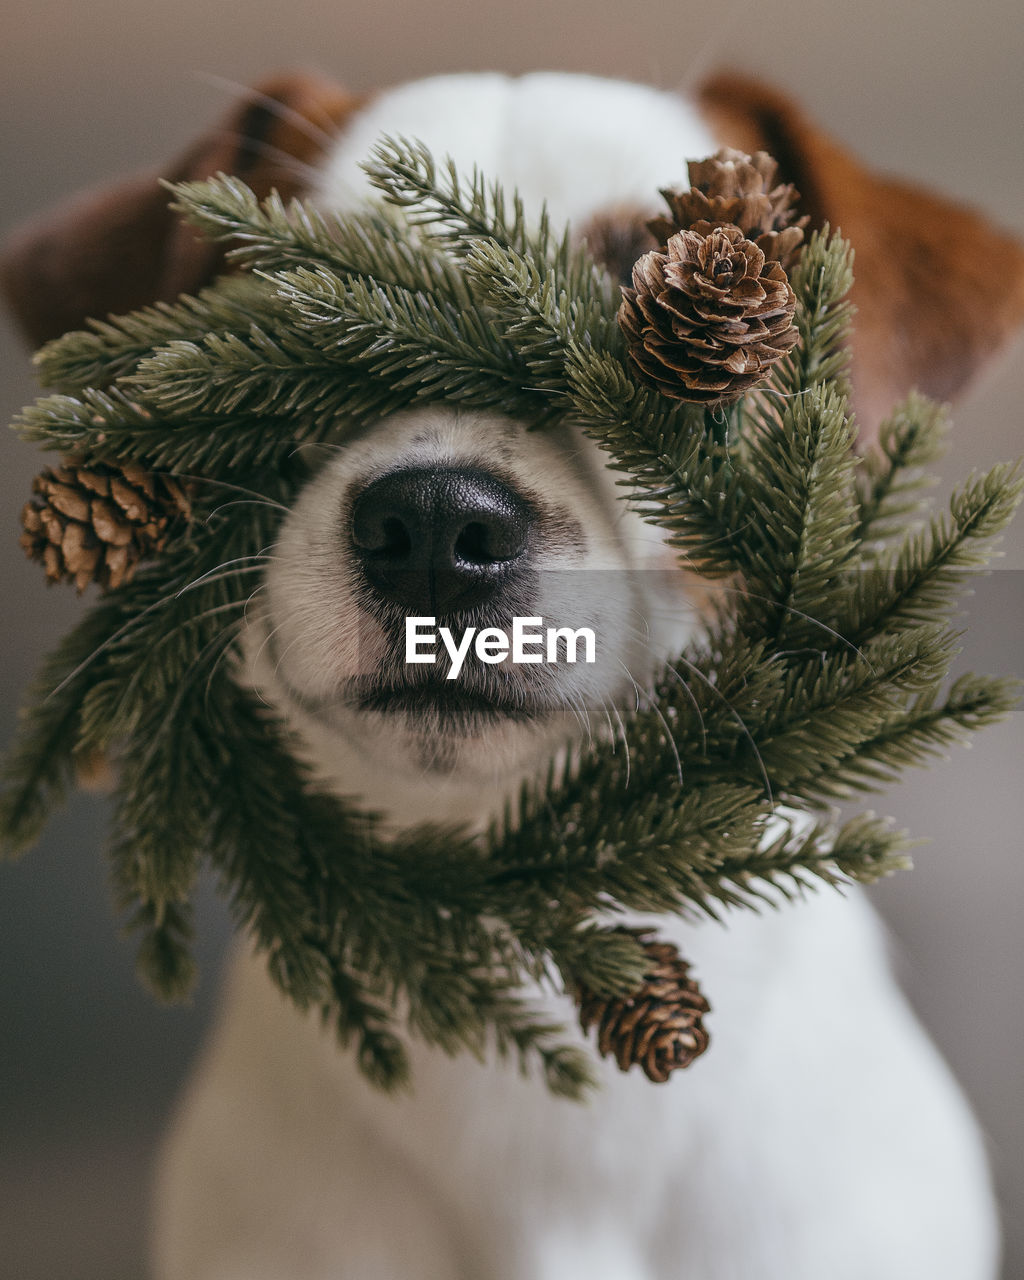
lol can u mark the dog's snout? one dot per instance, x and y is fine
(439, 539)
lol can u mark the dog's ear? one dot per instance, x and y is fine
(938, 289)
(119, 247)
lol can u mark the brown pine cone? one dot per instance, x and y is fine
(95, 523)
(731, 188)
(660, 1027)
(706, 320)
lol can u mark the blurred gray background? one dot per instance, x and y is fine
(94, 88)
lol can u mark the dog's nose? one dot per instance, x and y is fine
(439, 539)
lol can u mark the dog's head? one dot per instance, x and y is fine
(413, 564)
(474, 521)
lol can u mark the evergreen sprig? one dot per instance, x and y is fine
(820, 672)
(891, 476)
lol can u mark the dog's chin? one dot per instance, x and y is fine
(446, 727)
(446, 710)
(451, 732)
(437, 727)
(409, 743)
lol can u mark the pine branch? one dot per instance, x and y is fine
(110, 349)
(39, 766)
(271, 237)
(608, 961)
(889, 479)
(597, 837)
(800, 485)
(127, 653)
(572, 348)
(432, 951)
(927, 573)
(165, 962)
(460, 211)
(821, 280)
(354, 1015)
(259, 847)
(917, 735)
(545, 309)
(826, 713)
(412, 341)
(285, 377)
(802, 857)
(109, 426)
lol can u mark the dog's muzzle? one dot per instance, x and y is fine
(440, 540)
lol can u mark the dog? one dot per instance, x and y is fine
(822, 1138)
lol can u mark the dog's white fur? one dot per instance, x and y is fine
(821, 1138)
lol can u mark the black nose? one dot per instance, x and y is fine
(439, 539)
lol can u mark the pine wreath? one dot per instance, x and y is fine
(825, 675)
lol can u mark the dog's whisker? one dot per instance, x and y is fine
(639, 697)
(615, 732)
(279, 164)
(196, 667)
(243, 502)
(251, 597)
(660, 612)
(234, 633)
(283, 163)
(278, 656)
(281, 110)
(120, 634)
(652, 705)
(124, 630)
(625, 745)
(267, 640)
(746, 593)
(259, 498)
(669, 668)
(577, 705)
(251, 564)
(225, 637)
(739, 721)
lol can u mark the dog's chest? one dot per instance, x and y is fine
(754, 1162)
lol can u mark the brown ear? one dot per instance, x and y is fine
(938, 288)
(120, 247)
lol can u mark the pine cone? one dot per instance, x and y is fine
(731, 188)
(95, 523)
(659, 1027)
(707, 320)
